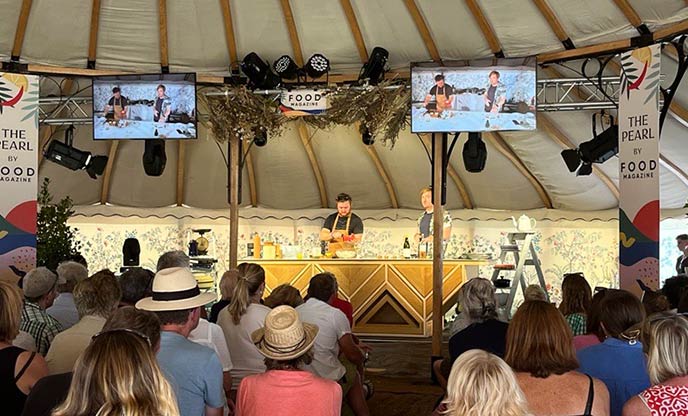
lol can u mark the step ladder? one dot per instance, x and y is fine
(520, 245)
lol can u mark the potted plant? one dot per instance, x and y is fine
(55, 240)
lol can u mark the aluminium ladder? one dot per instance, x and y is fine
(520, 244)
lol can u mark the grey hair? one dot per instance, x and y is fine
(175, 258)
(477, 300)
(72, 272)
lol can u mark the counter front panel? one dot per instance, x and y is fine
(389, 297)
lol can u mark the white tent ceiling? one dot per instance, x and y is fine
(528, 174)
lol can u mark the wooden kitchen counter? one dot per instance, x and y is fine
(389, 296)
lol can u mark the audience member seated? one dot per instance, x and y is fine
(575, 301)
(227, 284)
(19, 369)
(64, 309)
(655, 302)
(176, 258)
(136, 284)
(211, 336)
(593, 334)
(342, 304)
(618, 361)
(674, 288)
(25, 341)
(194, 371)
(96, 298)
(334, 336)
(534, 292)
(478, 305)
(482, 384)
(40, 290)
(284, 294)
(539, 348)
(286, 344)
(118, 375)
(241, 318)
(665, 339)
(51, 391)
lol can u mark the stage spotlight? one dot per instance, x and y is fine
(260, 137)
(75, 159)
(367, 137)
(259, 73)
(474, 153)
(598, 150)
(286, 68)
(374, 70)
(317, 66)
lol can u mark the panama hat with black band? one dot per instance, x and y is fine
(175, 289)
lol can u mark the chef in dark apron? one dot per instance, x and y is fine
(343, 227)
(117, 105)
(161, 107)
(495, 94)
(440, 96)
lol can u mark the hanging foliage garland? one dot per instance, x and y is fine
(383, 110)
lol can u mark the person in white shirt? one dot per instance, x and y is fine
(240, 319)
(211, 336)
(334, 337)
(64, 309)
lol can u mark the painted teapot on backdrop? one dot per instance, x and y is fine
(524, 223)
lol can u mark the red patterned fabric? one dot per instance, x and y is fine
(666, 400)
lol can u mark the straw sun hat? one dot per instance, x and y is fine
(284, 336)
(175, 289)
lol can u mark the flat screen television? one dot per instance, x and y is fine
(151, 106)
(473, 98)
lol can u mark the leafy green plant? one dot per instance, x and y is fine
(55, 240)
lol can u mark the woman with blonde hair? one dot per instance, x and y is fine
(240, 319)
(227, 284)
(481, 384)
(118, 375)
(665, 337)
(19, 369)
(539, 348)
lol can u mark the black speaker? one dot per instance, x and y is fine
(131, 250)
(474, 153)
(154, 158)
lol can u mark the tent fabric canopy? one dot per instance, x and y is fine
(524, 170)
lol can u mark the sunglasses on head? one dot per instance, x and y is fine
(127, 330)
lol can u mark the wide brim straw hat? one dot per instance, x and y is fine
(284, 336)
(175, 289)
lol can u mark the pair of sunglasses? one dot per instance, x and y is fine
(126, 330)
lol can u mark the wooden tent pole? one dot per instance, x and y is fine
(439, 150)
(234, 186)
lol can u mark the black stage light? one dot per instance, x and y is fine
(154, 157)
(131, 252)
(259, 73)
(598, 150)
(260, 137)
(367, 137)
(317, 66)
(374, 70)
(286, 68)
(474, 153)
(75, 159)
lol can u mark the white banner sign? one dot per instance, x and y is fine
(18, 173)
(639, 168)
(297, 103)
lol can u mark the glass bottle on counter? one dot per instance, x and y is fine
(407, 248)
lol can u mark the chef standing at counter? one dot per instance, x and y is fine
(342, 225)
(425, 227)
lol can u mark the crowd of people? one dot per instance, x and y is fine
(610, 353)
(141, 344)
